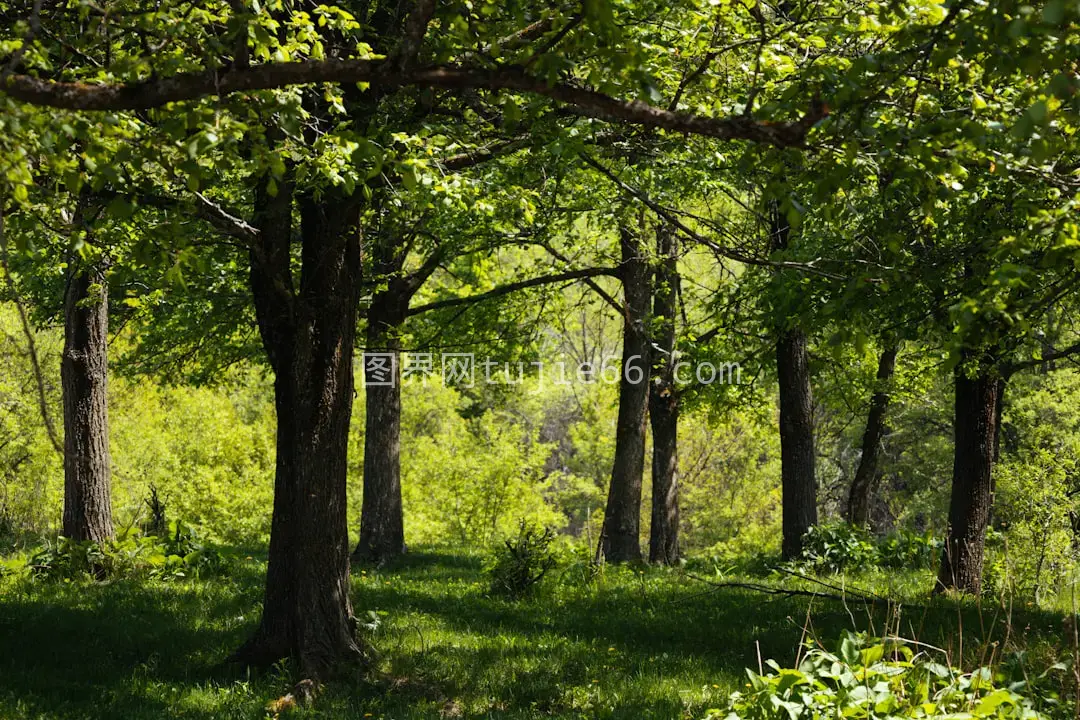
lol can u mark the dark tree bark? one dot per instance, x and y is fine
(796, 441)
(382, 531)
(308, 333)
(620, 539)
(866, 475)
(664, 408)
(797, 459)
(975, 428)
(84, 377)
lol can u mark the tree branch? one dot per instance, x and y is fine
(191, 86)
(1012, 368)
(593, 285)
(205, 209)
(514, 287)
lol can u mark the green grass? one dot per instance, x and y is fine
(631, 643)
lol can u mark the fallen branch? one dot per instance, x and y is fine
(794, 592)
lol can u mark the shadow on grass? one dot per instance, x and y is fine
(119, 649)
(723, 630)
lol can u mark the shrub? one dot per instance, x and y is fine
(839, 546)
(874, 679)
(909, 549)
(520, 563)
(175, 556)
(834, 547)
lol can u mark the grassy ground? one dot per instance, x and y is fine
(630, 643)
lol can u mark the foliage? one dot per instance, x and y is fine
(911, 549)
(873, 678)
(1033, 552)
(468, 480)
(729, 475)
(522, 562)
(175, 556)
(839, 546)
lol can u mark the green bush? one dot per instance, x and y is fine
(874, 679)
(909, 549)
(839, 546)
(179, 554)
(521, 563)
(835, 547)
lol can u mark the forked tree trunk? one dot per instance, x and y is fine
(861, 494)
(308, 334)
(664, 409)
(84, 377)
(975, 429)
(799, 483)
(620, 540)
(382, 532)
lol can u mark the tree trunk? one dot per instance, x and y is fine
(974, 425)
(84, 377)
(382, 532)
(308, 334)
(620, 540)
(664, 409)
(797, 460)
(866, 475)
(796, 441)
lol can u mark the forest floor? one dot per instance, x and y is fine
(629, 643)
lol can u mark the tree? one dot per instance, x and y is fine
(84, 375)
(620, 537)
(288, 111)
(861, 493)
(798, 478)
(664, 404)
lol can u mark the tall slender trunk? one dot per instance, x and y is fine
(308, 334)
(382, 532)
(620, 541)
(797, 459)
(84, 377)
(975, 429)
(866, 475)
(664, 408)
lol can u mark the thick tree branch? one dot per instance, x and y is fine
(191, 86)
(466, 160)
(514, 287)
(1011, 369)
